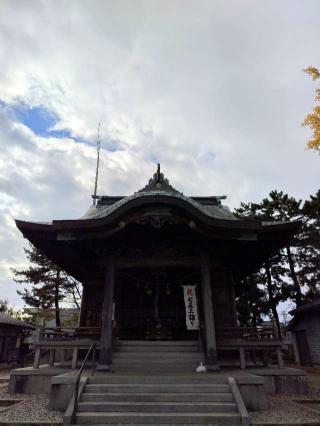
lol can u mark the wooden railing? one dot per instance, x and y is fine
(69, 333)
(64, 339)
(255, 334)
(76, 391)
(241, 339)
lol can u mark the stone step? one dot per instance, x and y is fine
(156, 388)
(160, 361)
(157, 356)
(157, 343)
(138, 368)
(161, 379)
(159, 407)
(161, 366)
(159, 418)
(162, 348)
(157, 397)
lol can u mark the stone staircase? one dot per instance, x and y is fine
(155, 382)
(148, 400)
(156, 357)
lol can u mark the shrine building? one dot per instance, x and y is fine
(161, 266)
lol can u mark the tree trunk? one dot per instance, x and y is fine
(253, 308)
(254, 318)
(298, 295)
(56, 299)
(272, 302)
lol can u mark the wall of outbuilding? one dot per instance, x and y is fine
(8, 340)
(310, 322)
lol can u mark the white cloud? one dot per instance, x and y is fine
(212, 89)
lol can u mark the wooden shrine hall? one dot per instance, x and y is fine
(160, 266)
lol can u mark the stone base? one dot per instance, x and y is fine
(103, 368)
(62, 390)
(283, 380)
(211, 368)
(253, 392)
(33, 380)
(254, 384)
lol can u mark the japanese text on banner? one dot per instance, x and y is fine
(190, 301)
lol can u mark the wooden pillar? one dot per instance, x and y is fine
(74, 361)
(51, 356)
(37, 355)
(280, 359)
(242, 353)
(210, 332)
(295, 347)
(105, 359)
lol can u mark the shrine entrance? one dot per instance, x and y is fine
(150, 305)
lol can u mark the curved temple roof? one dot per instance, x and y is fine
(159, 187)
(70, 242)
(158, 191)
(215, 211)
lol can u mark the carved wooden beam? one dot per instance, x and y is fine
(133, 262)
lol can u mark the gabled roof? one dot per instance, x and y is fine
(75, 245)
(9, 320)
(215, 211)
(311, 306)
(298, 312)
(158, 191)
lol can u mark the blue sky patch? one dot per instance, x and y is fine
(39, 120)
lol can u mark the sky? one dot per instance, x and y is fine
(213, 90)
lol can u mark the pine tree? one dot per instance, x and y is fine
(271, 277)
(250, 301)
(50, 285)
(311, 261)
(280, 207)
(3, 305)
(13, 312)
(296, 268)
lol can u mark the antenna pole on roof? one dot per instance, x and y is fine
(97, 168)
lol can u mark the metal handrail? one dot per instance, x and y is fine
(76, 391)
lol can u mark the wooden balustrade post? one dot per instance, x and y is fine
(51, 356)
(37, 355)
(210, 332)
(105, 358)
(74, 362)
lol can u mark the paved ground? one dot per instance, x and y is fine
(31, 408)
(282, 408)
(314, 380)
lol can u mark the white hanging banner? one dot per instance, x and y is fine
(190, 301)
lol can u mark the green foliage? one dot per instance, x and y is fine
(310, 270)
(20, 314)
(50, 285)
(292, 273)
(3, 305)
(250, 301)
